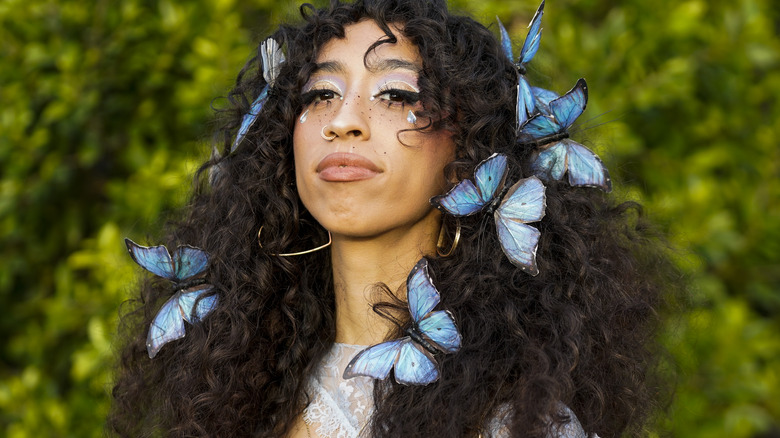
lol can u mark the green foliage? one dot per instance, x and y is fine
(105, 114)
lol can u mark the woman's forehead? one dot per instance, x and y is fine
(358, 38)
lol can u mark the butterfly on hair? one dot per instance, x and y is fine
(512, 208)
(412, 357)
(525, 99)
(556, 153)
(191, 301)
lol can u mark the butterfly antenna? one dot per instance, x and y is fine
(584, 125)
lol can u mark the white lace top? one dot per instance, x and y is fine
(341, 408)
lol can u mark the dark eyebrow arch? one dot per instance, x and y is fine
(389, 64)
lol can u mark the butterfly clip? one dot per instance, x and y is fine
(525, 98)
(273, 57)
(411, 357)
(557, 154)
(190, 302)
(512, 208)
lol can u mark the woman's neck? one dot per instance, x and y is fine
(361, 263)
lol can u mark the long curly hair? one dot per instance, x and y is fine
(579, 334)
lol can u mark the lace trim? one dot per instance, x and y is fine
(341, 408)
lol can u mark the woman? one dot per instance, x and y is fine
(378, 107)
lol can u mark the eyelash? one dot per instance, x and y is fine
(398, 97)
(319, 96)
(395, 97)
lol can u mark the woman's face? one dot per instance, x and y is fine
(353, 174)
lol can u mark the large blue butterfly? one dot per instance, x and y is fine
(524, 202)
(525, 98)
(272, 56)
(412, 355)
(184, 269)
(557, 154)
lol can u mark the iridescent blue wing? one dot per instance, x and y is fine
(375, 361)
(585, 168)
(506, 43)
(462, 200)
(490, 176)
(525, 101)
(187, 299)
(532, 40)
(155, 259)
(550, 163)
(568, 107)
(539, 126)
(189, 262)
(542, 99)
(168, 325)
(524, 202)
(421, 295)
(440, 328)
(415, 366)
(250, 118)
(466, 198)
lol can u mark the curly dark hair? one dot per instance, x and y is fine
(580, 333)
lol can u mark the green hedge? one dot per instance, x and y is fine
(105, 112)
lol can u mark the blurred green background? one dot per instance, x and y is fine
(105, 113)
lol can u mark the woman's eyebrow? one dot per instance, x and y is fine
(388, 64)
(330, 67)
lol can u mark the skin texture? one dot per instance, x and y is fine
(371, 183)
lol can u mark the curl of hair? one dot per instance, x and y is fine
(578, 334)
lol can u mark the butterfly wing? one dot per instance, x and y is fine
(550, 163)
(415, 365)
(155, 259)
(250, 118)
(539, 126)
(585, 168)
(525, 101)
(189, 262)
(187, 299)
(421, 294)
(568, 107)
(375, 361)
(440, 328)
(506, 43)
(489, 175)
(534, 37)
(168, 325)
(466, 198)
(524, 202)
(273, 57)
(542, 99)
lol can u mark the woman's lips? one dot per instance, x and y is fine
(344, 167)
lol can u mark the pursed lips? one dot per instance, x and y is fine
(345, 167)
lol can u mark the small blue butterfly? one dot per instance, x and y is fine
(524, 202)
(412, 355)
(271, 53)
(558, 154)
(525, 98)
(183, 269)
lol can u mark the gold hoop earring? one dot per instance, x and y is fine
(327, 137)
(308, 251)
(455, 240)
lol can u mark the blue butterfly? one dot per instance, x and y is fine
(524, 202)
(558, 154)
(271, 53)
(525, 98)
(184, 270)
(412, 355)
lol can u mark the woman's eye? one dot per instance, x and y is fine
(398, 97)
(319, 96)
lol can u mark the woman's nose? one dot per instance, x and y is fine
(350, 120)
